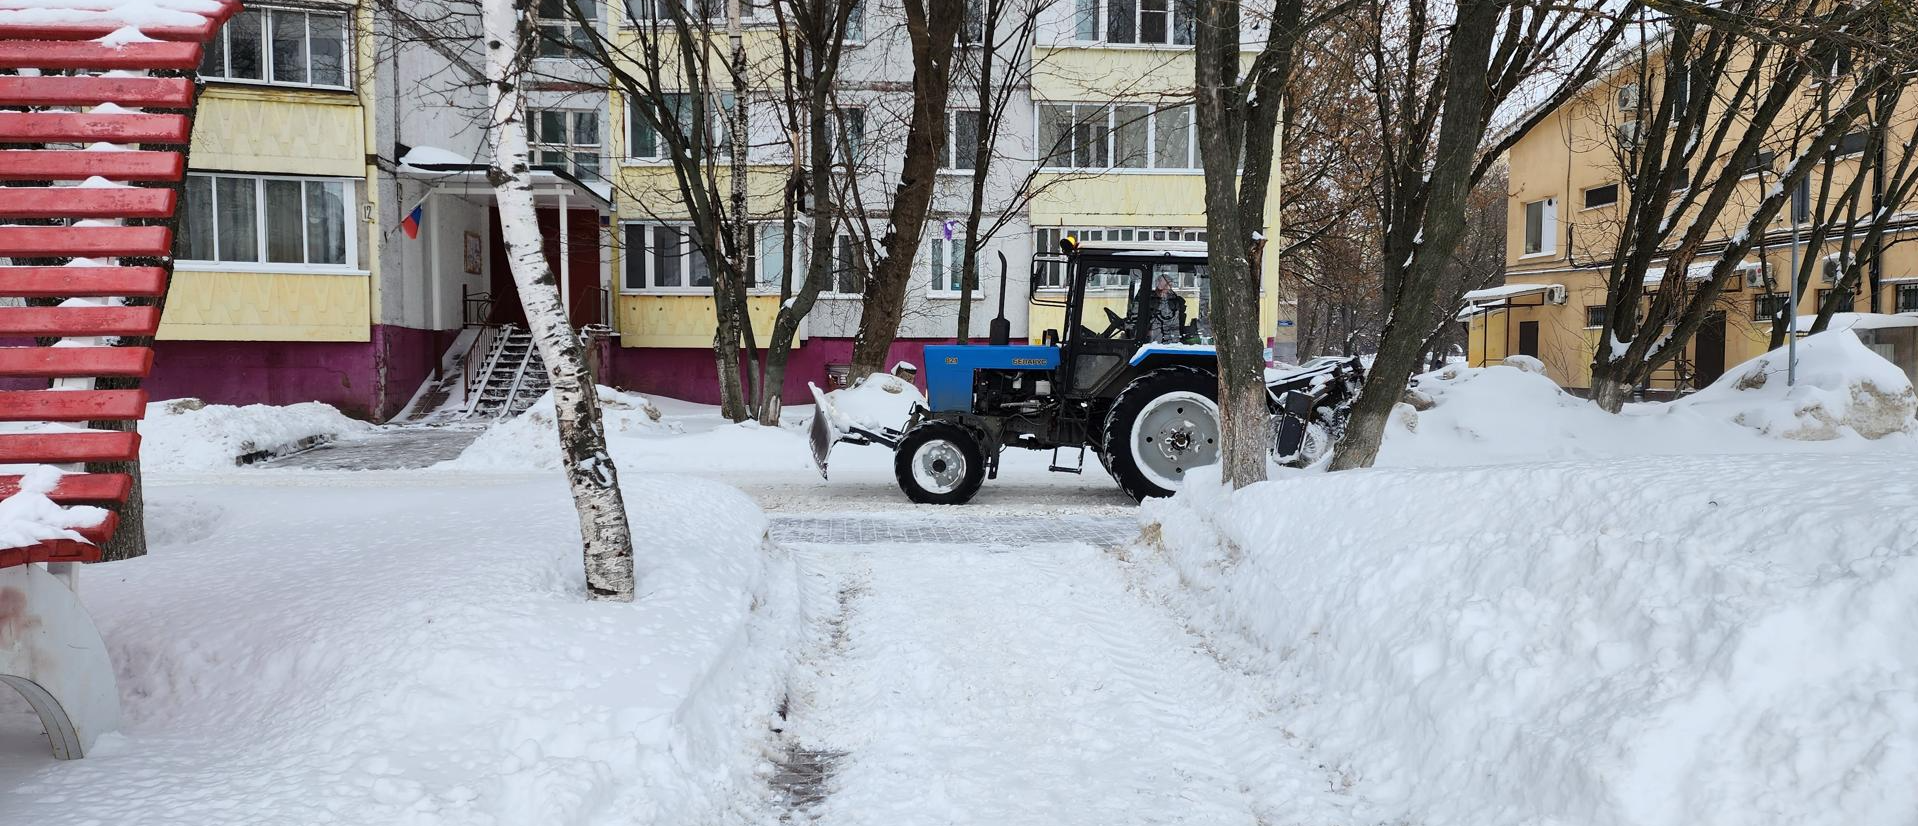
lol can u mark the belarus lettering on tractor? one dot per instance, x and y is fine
(1130, 376)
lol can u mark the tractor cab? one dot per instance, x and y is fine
(1120, 306)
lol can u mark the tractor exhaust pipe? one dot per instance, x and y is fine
(1000, 332)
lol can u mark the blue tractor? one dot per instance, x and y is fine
(1131, 377)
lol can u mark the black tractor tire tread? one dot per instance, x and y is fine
(1113, 437)
(927, 431)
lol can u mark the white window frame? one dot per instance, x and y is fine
(832, 287)
(953, 250)
(571, 148)
(1548, 229)
(349, 207)
(572, 27)
(348, 50)
(753, 12)
(1111, 110)
(949, 165)
(1102, 25)
(687, 247)
(754, 261)
(1584, 196)
(1144, 236)
(716, 119)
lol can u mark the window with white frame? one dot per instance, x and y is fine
(566, 140)
(561, 34)
(849, 266)
(282, 47)
(767, 259)
(646, 143)
(1117, 136)
(946, 259)
(246, 219)
(1541, 227)
(962, 140)
(852, 148)
(663, 257)
(1046, 240)
(658, 11)
(972, 31)
(667, 258)
(1157, 22)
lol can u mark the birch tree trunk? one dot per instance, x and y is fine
(608, 541)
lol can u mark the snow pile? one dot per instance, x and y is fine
(28, 517)
(1843, 388)
(1512, 413)
(188, 434)
(530, 441)
(879, 401)
(1712, 641)
(423, 653)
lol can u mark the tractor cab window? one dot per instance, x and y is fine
(1171, 305)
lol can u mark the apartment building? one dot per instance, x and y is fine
(343, 242)
(1567, 197)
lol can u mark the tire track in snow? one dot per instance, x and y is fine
(1015, 685)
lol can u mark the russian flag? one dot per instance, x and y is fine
(411, 223)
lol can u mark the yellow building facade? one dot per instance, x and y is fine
(1566, 203)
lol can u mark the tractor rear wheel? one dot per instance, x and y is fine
(939, 463)
(1162, 425)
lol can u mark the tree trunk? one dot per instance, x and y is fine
(1440, 222)
(582, 438)
(987, 134)
(932, 25)
(1234, 205)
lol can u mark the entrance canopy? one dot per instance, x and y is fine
(1491, 299)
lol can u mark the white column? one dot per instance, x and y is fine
(565, 260)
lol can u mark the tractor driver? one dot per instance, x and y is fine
(1165, 313)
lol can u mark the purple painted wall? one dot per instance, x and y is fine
(369, 379)
(688, 373)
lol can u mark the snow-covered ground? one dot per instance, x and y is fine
(418, 650)
(1532, 613)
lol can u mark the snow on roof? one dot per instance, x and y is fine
(1695, 272)
(1862, 321)
(433, 156)
(1505, 291)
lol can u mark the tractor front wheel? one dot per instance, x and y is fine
(1162, 425)
(939, 463)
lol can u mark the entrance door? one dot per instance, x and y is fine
(1528, 338)
(1708, 351)
(582, 273)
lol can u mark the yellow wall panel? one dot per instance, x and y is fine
(1119, 199)
(682, 320)
(245, 306)
(1122, 73)
(296, 132)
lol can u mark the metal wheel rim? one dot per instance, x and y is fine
(939, 466)
(1175, 433)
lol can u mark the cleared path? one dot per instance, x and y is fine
(998, 682)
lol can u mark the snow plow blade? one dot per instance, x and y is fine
(830, 428)
(822, 434)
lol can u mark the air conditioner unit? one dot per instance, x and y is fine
(1832, 269)
(1628, 97)
(1556, 294)
(1755, 279)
